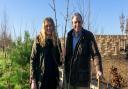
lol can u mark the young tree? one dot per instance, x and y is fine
(122, 17)
(126, 29)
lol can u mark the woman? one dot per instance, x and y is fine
(45, 58)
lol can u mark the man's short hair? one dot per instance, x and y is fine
(78, 15)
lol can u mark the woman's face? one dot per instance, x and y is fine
(77, 23)
(48, 27)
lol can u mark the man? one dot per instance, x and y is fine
(80, 48)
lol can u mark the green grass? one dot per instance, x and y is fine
(1, 55)
(1, 61)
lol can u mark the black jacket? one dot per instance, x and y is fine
(38, 60)
(77, 63)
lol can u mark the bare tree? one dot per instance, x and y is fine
(122, 23)
(5, 36)
(66, 20)
(126, 29)
(53, 7)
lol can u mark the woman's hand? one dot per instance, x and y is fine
(99, 74)
(33, 84)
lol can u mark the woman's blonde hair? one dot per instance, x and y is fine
(43, 36)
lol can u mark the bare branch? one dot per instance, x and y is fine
(55, 17)
(14, 31)
(66, 20)
(51, 7)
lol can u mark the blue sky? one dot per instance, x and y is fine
(29, 14)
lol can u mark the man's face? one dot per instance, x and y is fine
(77, 23)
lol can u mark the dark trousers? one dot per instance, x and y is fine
(49, 83)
